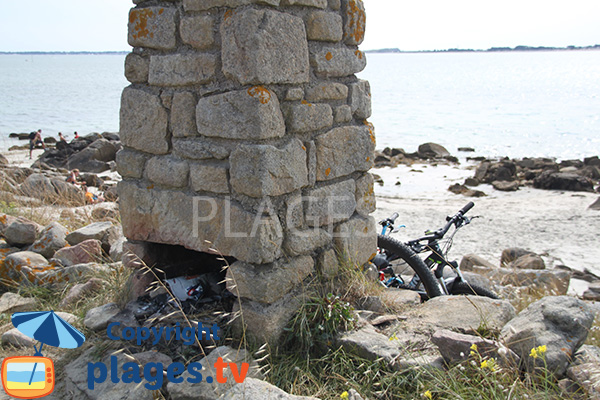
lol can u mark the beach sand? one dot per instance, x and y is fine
(556, 224)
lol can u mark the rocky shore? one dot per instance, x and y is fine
(532, 246)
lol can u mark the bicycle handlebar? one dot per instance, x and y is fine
(389, 221)
(451, 221)
(466, 208)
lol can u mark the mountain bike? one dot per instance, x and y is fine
(419, 264)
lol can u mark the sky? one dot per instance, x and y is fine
(101, 25)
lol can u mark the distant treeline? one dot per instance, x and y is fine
(63, 52)
(491, 49)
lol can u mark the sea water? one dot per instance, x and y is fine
(513, 104)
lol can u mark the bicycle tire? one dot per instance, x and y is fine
(430, 283)
(472, 289)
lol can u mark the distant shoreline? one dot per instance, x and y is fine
(490, 50)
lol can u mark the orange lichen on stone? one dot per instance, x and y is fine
(150, 187)
(306, 103)
(140, 20)
(371, 130)
(263, 94)
(357, 21)
(3, 219)
(328, 56)
(327, 171)
(228, 14)
(303, 148)
(358, 54)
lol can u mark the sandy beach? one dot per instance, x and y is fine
(557, 224)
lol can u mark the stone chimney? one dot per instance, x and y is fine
(245, 133)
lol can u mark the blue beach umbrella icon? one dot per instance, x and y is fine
(47, 328)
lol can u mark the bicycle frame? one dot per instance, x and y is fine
(435, 261)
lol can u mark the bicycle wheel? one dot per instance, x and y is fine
(407, 264)
(472, 289)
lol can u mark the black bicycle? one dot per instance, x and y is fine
(401, 265)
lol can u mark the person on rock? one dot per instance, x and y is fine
(74, 177)
(35, 138)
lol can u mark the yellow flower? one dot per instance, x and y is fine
(538, 351)
(474, 347)
(489, 364)
(428, 395)
(394, 337)
(533, 353)
(344, 395)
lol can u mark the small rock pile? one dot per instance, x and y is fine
(31, 253)
(427, 152)
(92, 153)
(442, 331)
(540, 173)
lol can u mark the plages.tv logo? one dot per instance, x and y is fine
(33, 377)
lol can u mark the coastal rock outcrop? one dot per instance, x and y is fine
(90, 153)
(561, 323)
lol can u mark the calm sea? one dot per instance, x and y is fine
(514, 104)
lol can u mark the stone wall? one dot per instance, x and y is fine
(245, 131)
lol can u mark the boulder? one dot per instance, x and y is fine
(371, 345)
(15, 338)
(98, 318)
(595, 161)
(464, 314)
(456, 347)
(561, 323)
(105, 211)
(511, 254)
(53, 190)
(470, 260)
(554, 281)
(73, 273)
(505, 186)
(80, 290)
(23, 266)
(257, 389)
(584, 370)
(211, 391)
(12, 303)
(432, 150)
(85, 252)
(5, 221)
(528, 261)
(51, 239)
(105, 232)
(501, 171)
(563, 181)
(21, 232)
(76, 379)
(592, 292)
